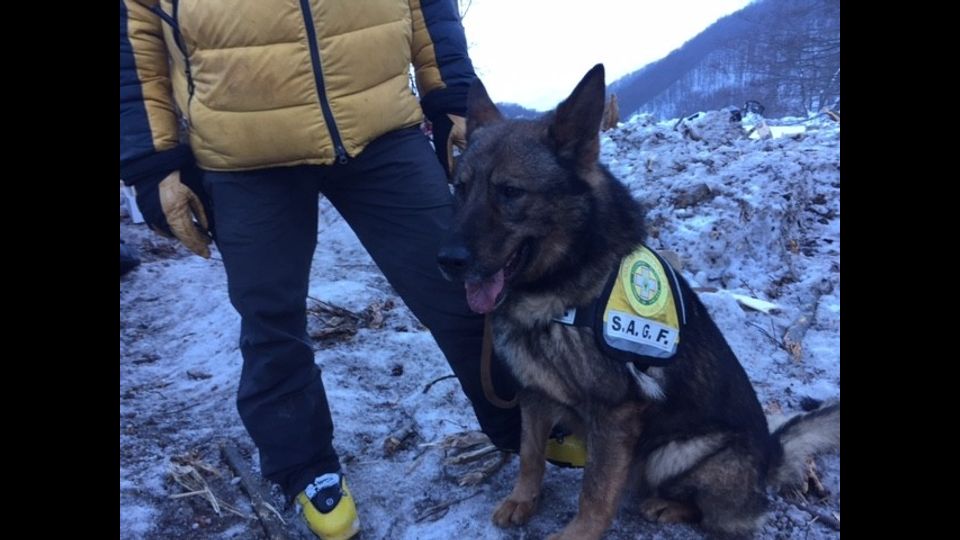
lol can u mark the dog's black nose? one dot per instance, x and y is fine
(453, 260)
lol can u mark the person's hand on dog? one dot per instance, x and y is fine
(176, 206)
(449, 130)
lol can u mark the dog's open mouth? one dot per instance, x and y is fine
(486, 294)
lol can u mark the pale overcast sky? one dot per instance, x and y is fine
(533, 52)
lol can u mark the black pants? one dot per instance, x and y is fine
(395, 197)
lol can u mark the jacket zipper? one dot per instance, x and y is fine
(318, 77)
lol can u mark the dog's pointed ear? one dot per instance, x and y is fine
(481, 110)
(575, 128)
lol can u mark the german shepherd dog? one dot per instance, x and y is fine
(540, 226)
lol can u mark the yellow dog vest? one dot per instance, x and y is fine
(640, 313)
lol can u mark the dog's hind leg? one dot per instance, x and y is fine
(537, 419)
(727, 490)
(666, 511)
(611, 438)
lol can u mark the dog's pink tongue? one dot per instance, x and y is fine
(482, 295)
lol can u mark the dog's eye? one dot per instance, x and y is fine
(510, 192)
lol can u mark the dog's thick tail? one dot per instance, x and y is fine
(801, 437)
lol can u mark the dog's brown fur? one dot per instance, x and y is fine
(542, 224)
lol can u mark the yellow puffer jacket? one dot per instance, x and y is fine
(266, 83)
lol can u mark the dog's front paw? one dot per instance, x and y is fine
(582, 529)
(512, 512)
(567, 535)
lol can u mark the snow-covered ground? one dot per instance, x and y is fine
(746, 218)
